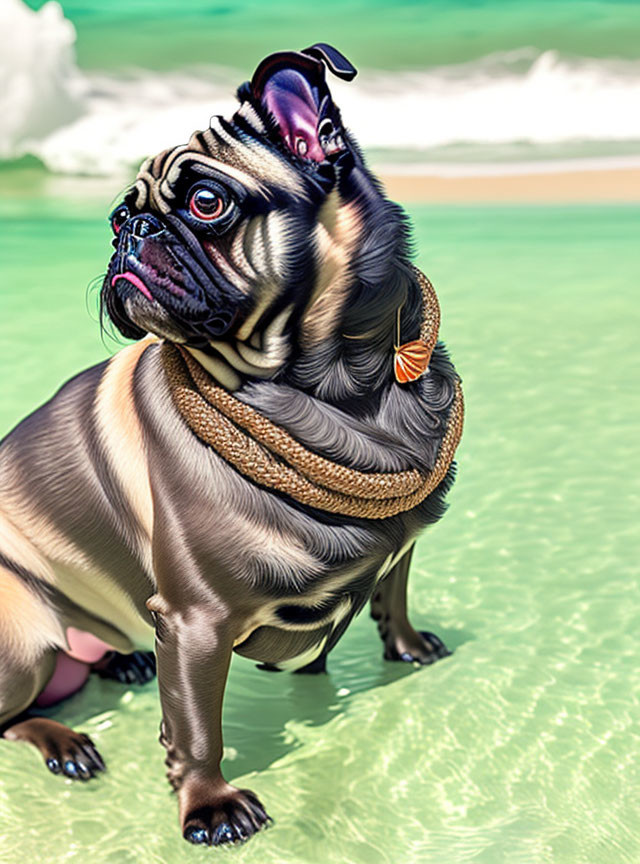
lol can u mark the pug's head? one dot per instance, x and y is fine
(244, 242)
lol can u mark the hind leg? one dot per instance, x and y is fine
(33, 672)
(389, 609)
(65, 752)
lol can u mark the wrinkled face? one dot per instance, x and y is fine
(235, 235)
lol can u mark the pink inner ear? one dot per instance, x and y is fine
(289, 98)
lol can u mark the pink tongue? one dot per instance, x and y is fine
(135, 280)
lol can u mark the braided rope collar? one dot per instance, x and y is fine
(269, 456)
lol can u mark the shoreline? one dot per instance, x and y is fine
(544, 185)
(534, 183)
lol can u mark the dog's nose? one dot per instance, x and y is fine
(143, 225)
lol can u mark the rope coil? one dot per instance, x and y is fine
(267, 454)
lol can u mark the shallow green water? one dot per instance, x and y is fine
(521, 747)
(383, 34)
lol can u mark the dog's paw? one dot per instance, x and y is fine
(68, 753)
(74, 756)
(136, 668)
(231, 818)
(415, 647)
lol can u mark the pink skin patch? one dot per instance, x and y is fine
(72, 666)
(69, 676)
(85, 646)
(135, 280)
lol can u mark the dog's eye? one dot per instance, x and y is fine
(206, 205)
(118, 218)
(302, 148)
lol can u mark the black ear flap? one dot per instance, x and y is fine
(335, 61)
(291, 86)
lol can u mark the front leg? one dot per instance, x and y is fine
(389, 609)
(193, 646)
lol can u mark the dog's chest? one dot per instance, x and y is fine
(280, 568)
(311, 564)
(293, 629)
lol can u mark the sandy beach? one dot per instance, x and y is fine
(539, 186)
(406, 184)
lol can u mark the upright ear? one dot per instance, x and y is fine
(291, 87)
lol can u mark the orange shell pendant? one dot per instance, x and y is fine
(411, 361)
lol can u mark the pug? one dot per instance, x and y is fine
(255, 466)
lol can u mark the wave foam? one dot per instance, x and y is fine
(42, 88)
(103, 124)
(508, 97)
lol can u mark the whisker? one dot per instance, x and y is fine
(93, 285)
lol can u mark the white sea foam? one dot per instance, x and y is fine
(514, 96)
(41, 89)
(104, 124)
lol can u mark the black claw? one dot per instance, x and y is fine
(146, 674)
(244, 824)
(439, 648)
(199, 836)
(223, 834)
(83, 770)
(97, 760)
(70, 768)
(257, 810)
(53, 765)
(145, 666)
(92, 755)
(434, 640)
(136, 668)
